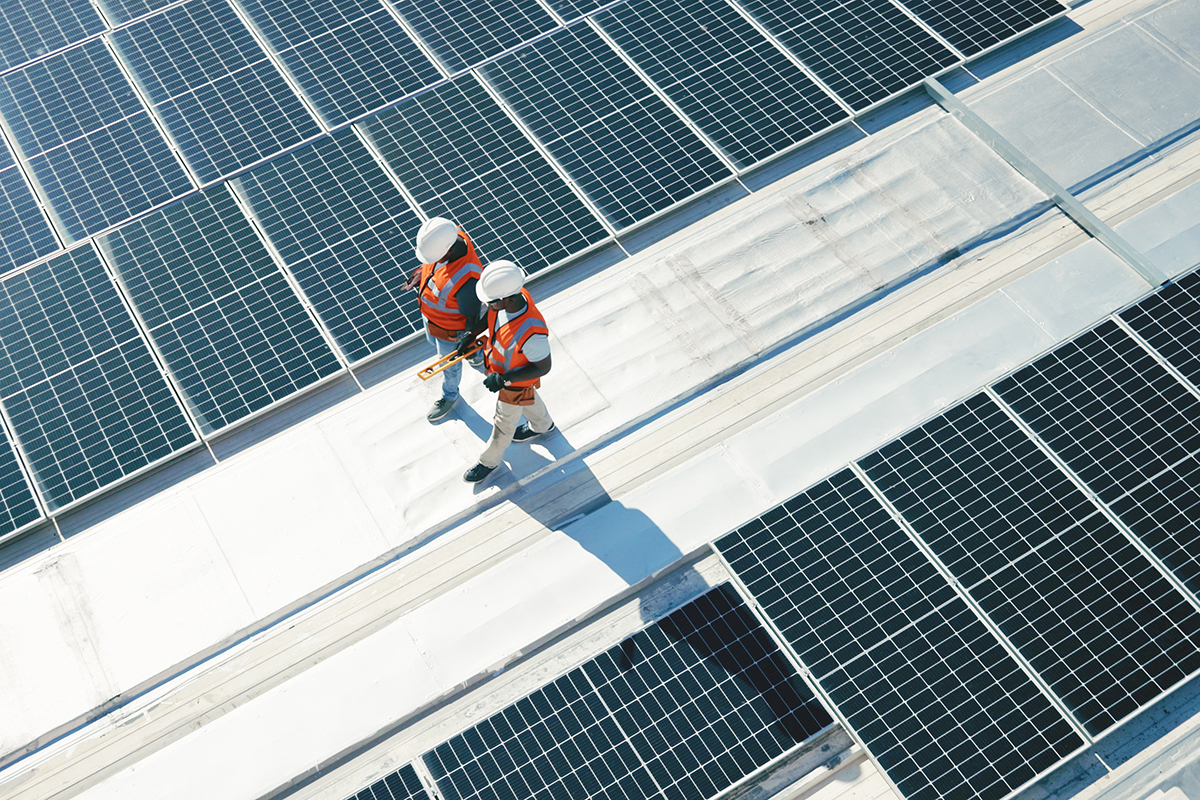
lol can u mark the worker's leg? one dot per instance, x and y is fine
(505, 423)
(538, 415)
(451, 376)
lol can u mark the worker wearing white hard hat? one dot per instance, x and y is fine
(516, 356)
(450, 306)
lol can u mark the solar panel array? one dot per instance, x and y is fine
(682, 709)
(543, 127)
(1010, 581)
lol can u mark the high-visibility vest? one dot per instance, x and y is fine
(503, 351)
(439, 285)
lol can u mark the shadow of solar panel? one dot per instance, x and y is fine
(349, 56)
(230, 329)
(462, 33)
(17, 505)
(403, 784)
(705, 696)
(461, 157)
(624, 147)
(973, 26)
(31, 28)
(742, 92)
(346, 233)
(1170, 321)
(220, 98)
(939, 703)
(864, 50)
(1093, 616)
(89, 142)
(85, 397)
(24, 232)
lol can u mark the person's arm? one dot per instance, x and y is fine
(468, 303)
(529, 372)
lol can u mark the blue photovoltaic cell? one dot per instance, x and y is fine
(403, 784)
(462, 33)
(90, 143)
(1120, 420)
(972, 26)
(24, 232)
(1169, 320)
(231, 330)
(17, 506)
(864, 50)
(349, 57)
(939, 703)
(741, 92)
(573, 9)
(125, 10)
(220, 97)
(627, 150)
(346, 233)
(461, 157)
(1092, 615)
(86, 399)
(31, 28)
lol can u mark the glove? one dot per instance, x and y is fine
(494, 382)
(464, 343)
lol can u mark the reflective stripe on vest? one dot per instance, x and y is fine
(442, 303)
(503, 352)
(440, 285)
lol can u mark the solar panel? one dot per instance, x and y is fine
(230, 329)
(31, 28)
(89, 142)
(625, 148)
(864, 50)
(461, 157)
(24, 232)
(682, 709)
(1163, 513)
(973, 26)
(349, 57)
(462, 33)
(85, 398)
(346, 233)
(573, 9)
(403, 784)
(17, 504)
(1170, 321)
(742, 92)
(223, 102)
(938, 702)
(125, 10)
(1092, 615)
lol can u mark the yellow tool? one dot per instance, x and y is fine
(447, 361)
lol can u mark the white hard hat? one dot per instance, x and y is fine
(500, 279)
(435, 238)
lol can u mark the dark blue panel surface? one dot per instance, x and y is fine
(223, 102)
(125, 10)
(462, 33)
(943, 708)
(1104, 629)
(461, 157)
(87, 401)
(17, 506)
(349, 57)
(403, 784)
(32, 28)
(742, 92)
(627, 150)
(864, 50)
(346, 233)
(231, 330)
(91, 144)
(24, 231)
(1170, 321)
(975, 25)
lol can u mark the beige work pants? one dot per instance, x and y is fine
(505, 424)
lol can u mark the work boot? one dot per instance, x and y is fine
(477, 473)
(440, 409)
(524, 433)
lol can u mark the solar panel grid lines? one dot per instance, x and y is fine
(30, 29)
(622, 144)
(1169, 321)
(973, 26)
(723, 74)
(1104, 628)
(461, 34)
(120, 12)
(214, 87)
(25, 230)
(936, 700)
(403, 784)
(83, 395)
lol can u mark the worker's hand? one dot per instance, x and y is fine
(464, 343)
(413, 279)
(494, 382)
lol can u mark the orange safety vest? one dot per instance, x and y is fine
(439, 287)
(503, 350)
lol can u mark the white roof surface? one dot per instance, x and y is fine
(279, 608)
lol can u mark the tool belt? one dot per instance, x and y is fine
(438, 332)
(519, 395)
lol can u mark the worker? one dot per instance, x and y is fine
(450, 307)
(516, 356)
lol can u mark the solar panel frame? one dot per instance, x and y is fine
(122, 11)
(348, 59)
(19, 506)
(403, 784)
(749, 117)
(974, 26)
(1169, 321)
(25, 232)
(462, 33)
(30, 29)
